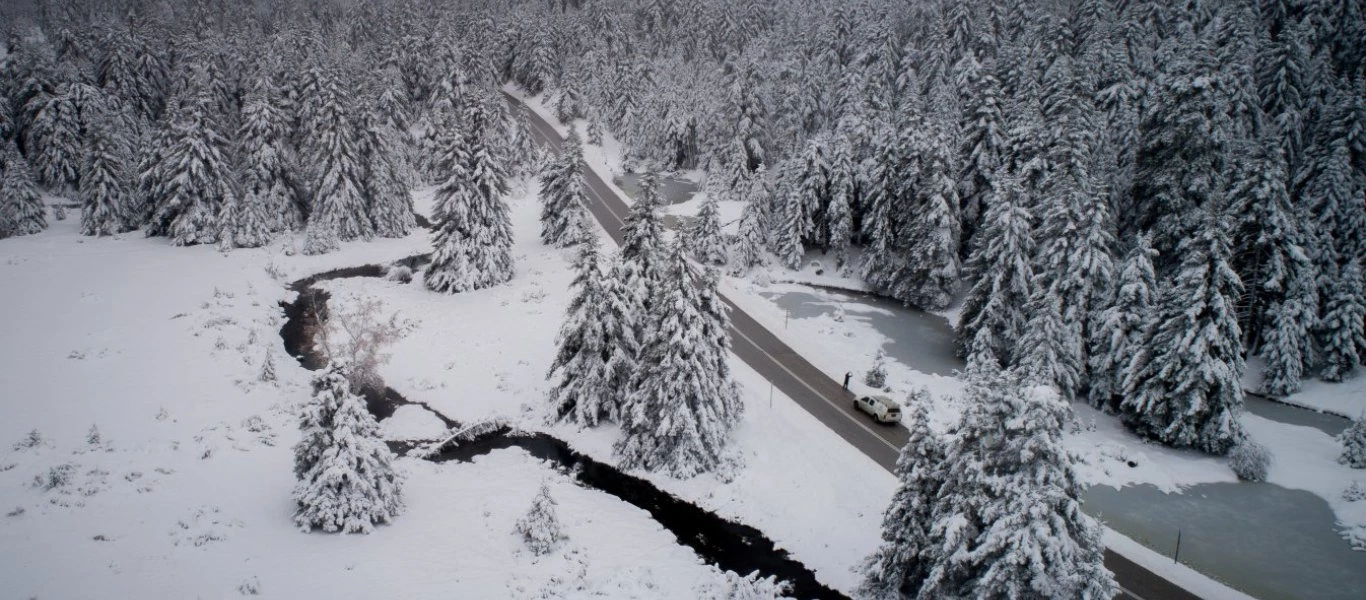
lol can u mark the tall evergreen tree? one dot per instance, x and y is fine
(676, 419)
(1008, 521)
(1119, 327)
(562, 194)
(54, 140)
(104, 192)
(640, 267)
(388, 204)
(335, 154)
(19, 197)
(347, 480)
(898, 567)
(1047, 352)
(1002, 270)
(704, 237)
(194, 181)
(581, 393)
(264, 151)
(1184, 386)
(752, 240)
(929, 277)
(1342, 331)
(473, 232)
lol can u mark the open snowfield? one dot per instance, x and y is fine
(187, 491)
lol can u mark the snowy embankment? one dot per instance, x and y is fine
(186, 490)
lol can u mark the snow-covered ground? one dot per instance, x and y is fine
(187, 493)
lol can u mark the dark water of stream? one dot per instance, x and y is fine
(727, 545)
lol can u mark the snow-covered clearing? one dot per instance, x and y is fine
(187, 492)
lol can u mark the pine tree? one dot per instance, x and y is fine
(876, 377)
(624, 322)
(473, 232)
(54, 140)
(244, 222)
(19, 196)
(104, 193)
(839, 218)
(267, 368)
(789, 221)
(1003, 271)
(347, 480)
(385, 185)
(581, 392)
(540, 526)
(562, 194)
(984, 142)
(334, 150)
(929, 277)
(320, 236)
(1342, 330)
(642, 248)
(810, 185)
(704, 237)
(190, 182)
(675, 419)
(1184, 385)
(1047, 352)
(751, 244)
(265, 175)
(1353, 440)
(1008, 523)
(898, 567)
(1269, 257)
(716, 328)
(1119, 331)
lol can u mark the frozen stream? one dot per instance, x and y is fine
(1264, 539)
(673, 190)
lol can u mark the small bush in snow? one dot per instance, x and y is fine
(267, 368)
(839, 314)
(59, 212)
(540, 527)
(93, 436)
(749, 587)
(1250, 460)
(1355, 492)
(877, 376)
(32, 440)
(56, 477)
(918, 396)
(1354, 444)
(250, 587)
(399, 273)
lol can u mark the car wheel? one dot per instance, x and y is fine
(857, 407)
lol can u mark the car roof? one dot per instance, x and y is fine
(885, 401)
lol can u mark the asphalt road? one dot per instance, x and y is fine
(817, 393)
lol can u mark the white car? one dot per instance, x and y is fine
(882, 408)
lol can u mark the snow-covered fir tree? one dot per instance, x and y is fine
(1183, 387)
(473, 232)
(1342, 330)
(104, 193)
(385, 186)
(19, 199)
(640, 265)
(1007, 522)
(1001, 265)
(716, 328)
(704, 236)
(675, 419)
(751, 242)
(1120, 326)
(320, 236)
(347, 481)
(540, 526)
(930, 274)
(582, 391)
(1047, 353)
(264, 152)
(1353, 440)
(333, 149)
(192, 179)
(562, 194)
(876, 377)
(898, 567)
(244, 222)
(54, 140)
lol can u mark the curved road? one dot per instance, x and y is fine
(810, 388)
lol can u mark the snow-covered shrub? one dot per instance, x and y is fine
(918, 396)
(1354, 444)
(359, 338)
(250, 587)
(540, 526)
(59, 212)
(32, 439)
(93, 437)
(747, 587)
(1250, 460)
(877, 376)
(1355, 492)
(839, 313)
(55, 477)
(399, 273)
(267, 368)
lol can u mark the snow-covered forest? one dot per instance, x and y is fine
(1093, 167)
